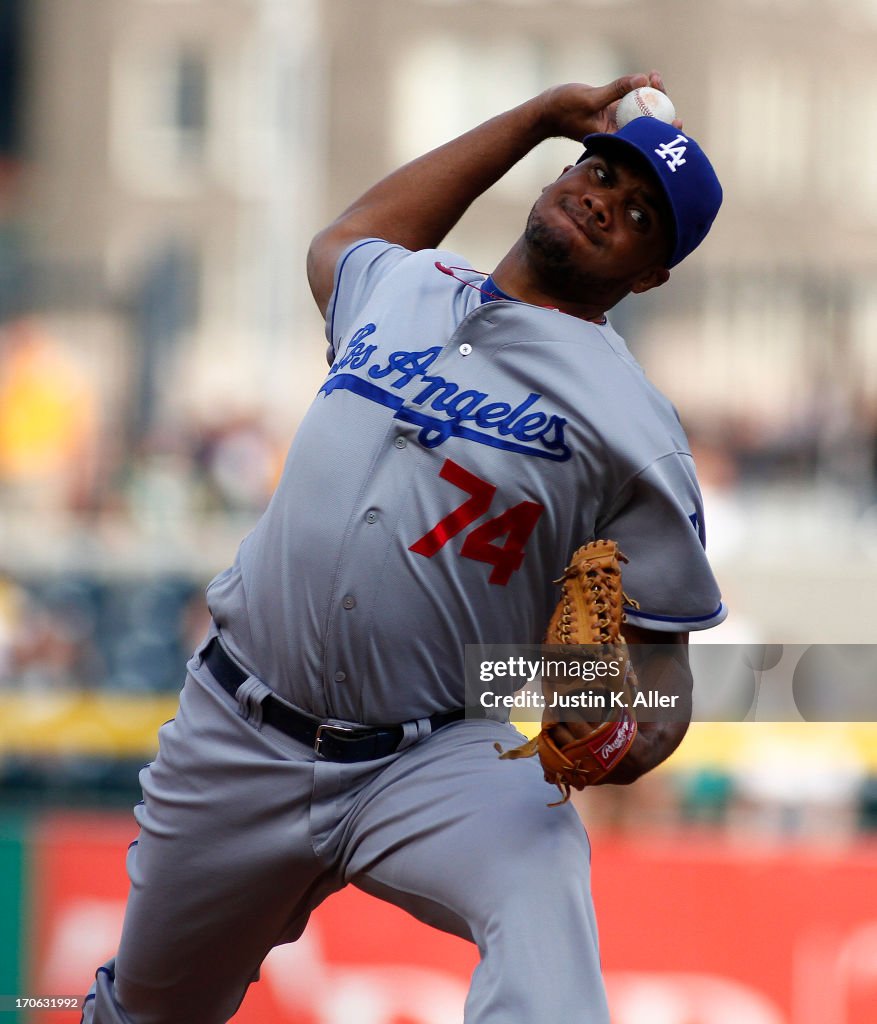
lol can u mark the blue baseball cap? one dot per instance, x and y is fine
(683, 170)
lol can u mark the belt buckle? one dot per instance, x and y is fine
(330, 727)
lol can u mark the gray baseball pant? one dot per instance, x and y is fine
(244, 831)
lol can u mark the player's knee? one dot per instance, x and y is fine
(545, 878)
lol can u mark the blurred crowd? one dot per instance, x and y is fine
(745, 799)
(61, 448)
(78, 632)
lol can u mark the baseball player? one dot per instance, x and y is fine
(471, 432)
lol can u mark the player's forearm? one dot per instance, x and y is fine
(417, 205)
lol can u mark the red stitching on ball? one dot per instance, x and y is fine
(644, 107)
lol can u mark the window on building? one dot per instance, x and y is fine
(187, 103)
(762, 127)
(161, 117)
(742, 355)
(847, 168)
(479, 78)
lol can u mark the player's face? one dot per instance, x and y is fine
(600, 231)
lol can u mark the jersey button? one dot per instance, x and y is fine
(349, 602)
(371, 516)
(400, 442)
(465, 349)
(340, 677)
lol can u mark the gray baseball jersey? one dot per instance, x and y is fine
(456, 455)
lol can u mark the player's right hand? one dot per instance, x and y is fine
(575, 110)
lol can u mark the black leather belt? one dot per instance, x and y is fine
(330, 740)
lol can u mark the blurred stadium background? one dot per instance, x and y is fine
(163, 164)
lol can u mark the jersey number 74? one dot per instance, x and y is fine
(515, 524)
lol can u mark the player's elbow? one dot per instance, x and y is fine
(321, 261)
(326, 248)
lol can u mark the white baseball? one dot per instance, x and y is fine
(644, 102)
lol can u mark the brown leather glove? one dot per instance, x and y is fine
(578, 749)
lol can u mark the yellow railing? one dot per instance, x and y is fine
(126, 726)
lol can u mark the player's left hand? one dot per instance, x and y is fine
(575, 110)
(579, 753)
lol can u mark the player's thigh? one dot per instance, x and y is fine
(223, 868)
(467, 842)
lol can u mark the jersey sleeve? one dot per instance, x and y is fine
(659, 525)
(361, 266)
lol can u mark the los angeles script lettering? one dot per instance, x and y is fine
(536, 432)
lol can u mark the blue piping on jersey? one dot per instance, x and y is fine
(350, 252)
(634, 614)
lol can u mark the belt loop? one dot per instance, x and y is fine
(249, 696)
(413, 732)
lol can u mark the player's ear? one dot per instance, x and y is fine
(653, 279)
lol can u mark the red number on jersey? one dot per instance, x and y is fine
(482, 495)
(515, 524)
(518, 523)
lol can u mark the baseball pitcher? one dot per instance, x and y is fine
(474, 431)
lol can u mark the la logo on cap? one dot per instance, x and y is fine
(672, 152)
